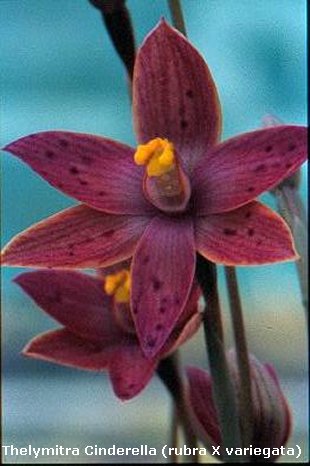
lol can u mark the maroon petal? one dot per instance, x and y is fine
(182, 334)
(250, 235)
(75, 300)
(240, 169)
(174, 95)
(65, 348)
(92, 169)
(130, 371)
(188, 323)
(201, 398)
(163, 269)
(78, 237)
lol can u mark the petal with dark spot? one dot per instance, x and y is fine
(78, 237)
(250, 235)
(240, 169)
(161, 286)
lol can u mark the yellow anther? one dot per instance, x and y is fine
(118, 285)
(157, 155)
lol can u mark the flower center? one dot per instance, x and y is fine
(118, 286)
(165, 183)
(157, 155)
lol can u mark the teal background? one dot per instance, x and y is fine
(59, 71)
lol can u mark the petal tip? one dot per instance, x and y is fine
(28, 351)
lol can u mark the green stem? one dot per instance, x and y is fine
(169, 372)
(223, 390)
(177, 15)
(174, 433)
(245, 394)
(292, 210)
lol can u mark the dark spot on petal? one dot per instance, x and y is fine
(71, 253)
(275, 165)
(268, 148)
(157, 284)
(189, 94)
(60, 185)
(251, 189)
(74, 171)
(288, 165)
(63, 142)
(131, 386)
(259, 242)
(135, 310)
(248, 215)
(250, 231)
(260, 167)
(50, 154)
(102, 193)
(83, 182)
(164, 300)
(86, 159)
(184, 124)
(291, 147)
(150, 341)
(162, 309)
(145, 260)
(108, 233)
(177, 300)
(159, 327)
(229, 231)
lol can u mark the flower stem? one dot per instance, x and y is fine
(245, 397)
(292, 210)
(117, 20)
(169, 372)
(223, 390)
(177, 15)
(174, 433)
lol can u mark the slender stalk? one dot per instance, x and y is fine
(177, 15)
(169, 372)
(174, 433)
(292, 210)
(245, 395)
(223, 390)
(117, 20)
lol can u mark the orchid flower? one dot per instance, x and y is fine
(271, 414)
(179, 192)
(98, 332)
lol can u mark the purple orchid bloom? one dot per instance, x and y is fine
(98, 332)
(271, 414)
(194, 194)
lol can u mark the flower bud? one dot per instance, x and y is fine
(271, 415)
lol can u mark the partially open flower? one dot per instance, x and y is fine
(98, 332)
(271, 415)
